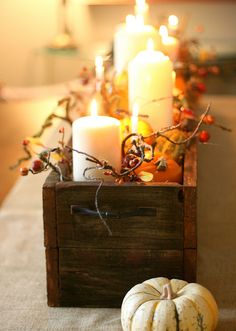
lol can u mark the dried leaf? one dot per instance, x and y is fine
(161, 164)
(35, 141)
(145, 176)
(56, 156)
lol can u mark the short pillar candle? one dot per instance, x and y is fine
(99, 136)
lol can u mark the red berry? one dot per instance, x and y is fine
(193, 67)
(214, 70)
(202, 72)
(127, 159)
(37, 166)
(24, 171)
(203, 136)
(208, 119)
(25, 142)
(201, 87)
(107, 173)
(133, 162)
(187, 112)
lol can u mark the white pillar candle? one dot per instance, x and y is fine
(142, 9)
(130, 39)
(99, 136)
(150, 79)
(169, 45)
(173, 78)
(134, 119)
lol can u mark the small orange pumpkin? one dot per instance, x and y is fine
(163, 169)
(180, 83)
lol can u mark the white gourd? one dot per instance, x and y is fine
(160, 304)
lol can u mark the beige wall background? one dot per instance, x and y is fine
(26, 26)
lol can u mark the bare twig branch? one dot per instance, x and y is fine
(193, 134)
(22, 159)
(222, 127)
(98, 210)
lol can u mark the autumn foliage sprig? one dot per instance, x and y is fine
(136, 152)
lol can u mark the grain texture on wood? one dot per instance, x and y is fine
(190, 265)
(52, 267)
(49, 211)
(101, 277)
(190, 166)
(86, 267)
(161, 231)
(190, 217)
(190, 197)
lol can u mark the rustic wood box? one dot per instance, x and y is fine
(154, 234)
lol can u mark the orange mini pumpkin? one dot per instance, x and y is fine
(180, 83)
(163, 169)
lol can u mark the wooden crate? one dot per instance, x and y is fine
(154, 234)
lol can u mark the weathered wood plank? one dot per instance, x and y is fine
(92, 269)
(98, 237)
(190, 166)
(190, 265)
(101, 277)
(190, 197)
(49, 211)
(50, 239)
(190, 217)
(163, 231)
(52, 267)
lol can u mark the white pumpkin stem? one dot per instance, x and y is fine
(167, 292)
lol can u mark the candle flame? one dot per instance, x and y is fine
(93, 108)
(99, 61)
(150, 44)
(140, 3)
(163, 31)
(173, 21)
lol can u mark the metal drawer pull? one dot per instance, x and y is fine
(77, 210)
